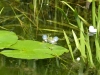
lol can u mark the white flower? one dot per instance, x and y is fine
(50, 39)
(45, 37)
(92, 31)
(53, 40)
(78, 59)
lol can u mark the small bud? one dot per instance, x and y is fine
(78, 59)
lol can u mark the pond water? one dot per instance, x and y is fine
(11, 66)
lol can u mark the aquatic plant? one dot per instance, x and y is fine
(30, 19)
(28, 49)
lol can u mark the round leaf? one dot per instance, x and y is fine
(7, 38)
(27, 49)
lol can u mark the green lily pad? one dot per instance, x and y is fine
(7, 38)
(28, 49)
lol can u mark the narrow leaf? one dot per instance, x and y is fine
(69, 45)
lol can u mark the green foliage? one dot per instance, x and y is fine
(34, 50)
(7, 38)
(27, 49)
(81, 40)
(30, 20)
(74, 11)
(97, 38)
(1, 10)
(89, 0)
(69, 46)
(89, 51)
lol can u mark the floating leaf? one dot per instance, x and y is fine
(28, 49)
(7, 38)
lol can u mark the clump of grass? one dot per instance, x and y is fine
(83, 42)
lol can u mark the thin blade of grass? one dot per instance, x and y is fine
(77, 19)
(74, 11)
(76, 40)
(78, 45)
(72, 26)
(61, 10)
(93, 13)
(97, 49)
(69, 45)
(82, 40)
(1, 10)
(98, 20)
(89, 53)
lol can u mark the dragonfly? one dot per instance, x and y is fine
(52, 40)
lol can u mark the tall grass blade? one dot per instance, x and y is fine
(98, 20)
(76, 41)
(80, 45)
(82, 40)
(74, 11)
(97, 38)
(93, 13)
(97, 49)
(89, 53)
(69, 45)
(77, 19)
(1, 10)
(63, 13)
(70, 25)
